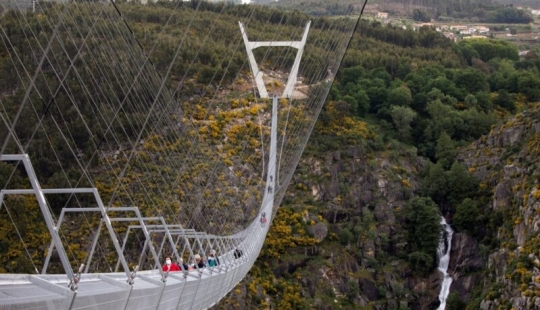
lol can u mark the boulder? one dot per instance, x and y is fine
(318, 231)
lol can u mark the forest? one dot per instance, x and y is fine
(399, 93)
(485, 11)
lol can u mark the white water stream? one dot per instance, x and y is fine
(443, 254)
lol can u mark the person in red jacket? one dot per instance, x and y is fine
(169, 265)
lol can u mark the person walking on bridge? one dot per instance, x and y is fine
(199, 262)
(169, 265)
(212, 259)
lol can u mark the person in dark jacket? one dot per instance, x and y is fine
(237, 253)
(199, 262)
(182, 265)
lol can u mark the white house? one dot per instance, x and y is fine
(475, 37)
(382, 15)
(482, 29)
(459, 28)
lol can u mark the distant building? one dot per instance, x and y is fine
(482, 29)
(418, 26)
(459, 27)
(450, 35)
(382, 15)
(475, 37)
(523, 53)
(535, 12)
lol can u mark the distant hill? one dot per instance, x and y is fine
(447, 10)
(15, 4)
(396, 7)
(24, 4)
(528, 3)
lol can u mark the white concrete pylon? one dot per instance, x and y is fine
(258, 74)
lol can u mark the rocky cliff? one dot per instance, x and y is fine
(507, 162)
(352, 202)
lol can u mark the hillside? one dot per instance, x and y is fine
(355, 193)
(360, 257)
(507, 162)
(416, 127)
(525, 3)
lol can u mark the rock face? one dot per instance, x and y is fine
(465, 260)
(369, 289)
(364, 231)
(427, 290)
(359, 192)
(507, 162)
(503, 194)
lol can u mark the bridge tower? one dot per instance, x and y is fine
(258, 74)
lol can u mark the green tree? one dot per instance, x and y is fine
(529, 85)
(378, 96)
(421, 16)
(353, 289)
(419, 103)
(422, 262)
(476, 123)
(345, 236)
(400, 96)
(430, 38)
(445, 151)
(443, 118)
(362, 102)
(484, 101)
(468, 52)
(402, 117)
(352, 102)
(381, 73)
(509, 14)
(415, 82)
(454, 302)
(505, 100)
(505, 76)
(352, 75)
(461, 184)
(435, 185)
(471, 80)
(424, 229)
(467, 216)
(470, 101)
(445, 85)
(488, 49)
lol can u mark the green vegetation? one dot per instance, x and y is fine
(487, 50)
(423, 217)
(382, 165)
(436, 97)
(486, 11)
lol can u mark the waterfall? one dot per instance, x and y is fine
(443, 254)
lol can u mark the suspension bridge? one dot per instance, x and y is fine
(115, 154)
